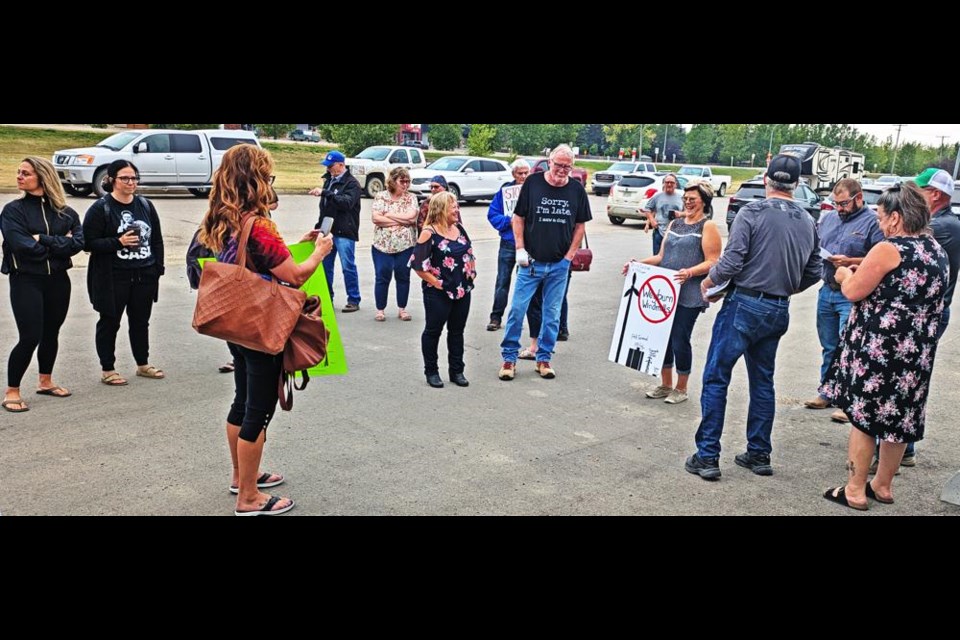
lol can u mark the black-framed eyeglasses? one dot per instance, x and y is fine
(129, 179)
(562, 167)
(435, 187)
(669, 184)
(844, 203)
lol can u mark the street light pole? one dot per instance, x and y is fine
(641, 140)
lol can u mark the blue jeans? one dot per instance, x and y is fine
(506, 261)
(657, 240)
(387, 266)
(749, 327)
(535, 310)
(351, 282)
(679, 343)
(553, 275)
(833, 309)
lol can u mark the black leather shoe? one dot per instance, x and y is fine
(459, 380)
(563, 336)
(434, 381)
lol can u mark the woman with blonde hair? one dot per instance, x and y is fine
(241, 188)
(40, 234)
(445, 262)
(394, 236)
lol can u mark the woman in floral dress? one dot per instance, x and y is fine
(394, 236)
(881, 375)
(444, 261)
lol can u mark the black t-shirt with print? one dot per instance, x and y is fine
(123, 218)
(550, 216)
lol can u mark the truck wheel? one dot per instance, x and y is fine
(98, 179)
(79, 191)
(374, 186)
(200, 193)
(617, 220)
(723, 189)
(455, 190)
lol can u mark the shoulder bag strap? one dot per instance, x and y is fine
(585, 241)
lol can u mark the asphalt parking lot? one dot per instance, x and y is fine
(380, 441)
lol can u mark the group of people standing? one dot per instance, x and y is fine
(41, 234)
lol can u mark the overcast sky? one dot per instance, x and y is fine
(927, 134)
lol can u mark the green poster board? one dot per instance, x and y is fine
(336, 363)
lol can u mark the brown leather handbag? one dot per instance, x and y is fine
(307, 347)
(583, 257)
(236, 304)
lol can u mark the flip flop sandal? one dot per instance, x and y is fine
(406, 317)
(23, 405)
(841, 498)
(228, 368)
(873, 496)
(113, 380)
(52, 391)
(262, 482)
(151, 372)
(267, 509)
(380, 317)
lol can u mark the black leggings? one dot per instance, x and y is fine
(134, 291)
(40, 306)
(441, 310)
(255, 377)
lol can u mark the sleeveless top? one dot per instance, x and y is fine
(684, 249)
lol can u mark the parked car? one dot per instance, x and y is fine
(538, 165)
(372, 165)
(304, 136)
(604, 180)
(631, 194)
(955, 200)
(468, 177)
(165, 158)
(755, 190)
(419, 144)
(888, 181)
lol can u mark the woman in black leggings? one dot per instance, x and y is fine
(241, 188)
(122, 234)
(40, 234)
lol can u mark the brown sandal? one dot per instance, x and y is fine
(151, 372)
(113, 380)
(23, 405)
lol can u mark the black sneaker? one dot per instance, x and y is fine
(706, 469)
(759, 463)
(563, 335)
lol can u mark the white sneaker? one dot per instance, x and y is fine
(659, 392)
(676, 397)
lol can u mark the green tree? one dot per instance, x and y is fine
(186, 127)
(733, 143)
(701, 143)
(445, 136)
(480, 142)
(354, 138)
(525, 139)
(275, 130)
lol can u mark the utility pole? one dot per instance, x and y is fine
(641, 140)
(896, 146)
(942, 138)
(666, 128)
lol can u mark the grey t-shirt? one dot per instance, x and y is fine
(662, 204)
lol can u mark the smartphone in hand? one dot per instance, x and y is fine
(325, 225)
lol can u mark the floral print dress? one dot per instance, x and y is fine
(880, 376)
(451, 261)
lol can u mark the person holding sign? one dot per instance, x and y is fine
(241, 187)
(772, 253)
(691, 245)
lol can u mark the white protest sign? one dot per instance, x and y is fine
(510, 197)
(640, 338)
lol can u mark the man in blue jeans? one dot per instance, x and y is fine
(501, 219)
(340, 200)
(548, 227)
(773, 252)
(848, 233)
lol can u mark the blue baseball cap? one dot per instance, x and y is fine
(332, 158)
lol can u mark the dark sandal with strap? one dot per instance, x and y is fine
(114, 380)
(263, 482)
(841, 498)
(23, 405)
(873, 496)
(267, 509)
(52, 391)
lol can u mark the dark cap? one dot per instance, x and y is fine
(784, 168)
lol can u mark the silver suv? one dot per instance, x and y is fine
(604, 180)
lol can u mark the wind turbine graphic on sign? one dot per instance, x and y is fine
(640, 337)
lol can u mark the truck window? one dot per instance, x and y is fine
(157, 143)
(222, 144)
(415, 157)
(399, 157)
(185, 143)
(492, 166)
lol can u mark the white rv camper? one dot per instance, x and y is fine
(823, 167)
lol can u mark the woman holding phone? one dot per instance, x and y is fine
(122, 234)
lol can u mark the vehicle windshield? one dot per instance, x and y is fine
(448, 164)
(887, 180)
(374, 153)
(871, 197)
(621, 166)
(748, 191)
(119, 140)
(636, 181)
(690, 171)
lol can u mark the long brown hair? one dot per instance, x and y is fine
(241, 185)
(49, 181)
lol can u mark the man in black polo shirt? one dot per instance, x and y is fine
(773, 252)
(548, 227)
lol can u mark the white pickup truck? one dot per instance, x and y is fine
(700, 173)
(372, 165)
(164, 157)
